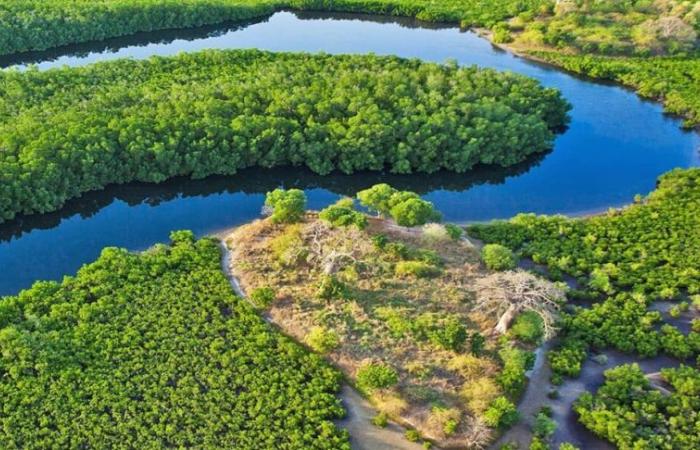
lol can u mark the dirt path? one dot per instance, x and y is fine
(358, 421)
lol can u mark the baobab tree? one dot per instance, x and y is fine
(507, 294)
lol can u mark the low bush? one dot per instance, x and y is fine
(373, 376)
(498, 257)
(418, 269)
(262, 297)
(322, 340)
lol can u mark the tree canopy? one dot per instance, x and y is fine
(153, 350)
(67, 131)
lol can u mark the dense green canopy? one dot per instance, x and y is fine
(628, 411)
(154, 351)
(67, 131)
(652, 246)
(40, 24)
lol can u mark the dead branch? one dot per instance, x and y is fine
(507, 294)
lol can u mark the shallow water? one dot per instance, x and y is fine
(615, 147)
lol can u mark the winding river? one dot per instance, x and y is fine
(615, 147)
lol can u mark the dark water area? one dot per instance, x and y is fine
(615, 147)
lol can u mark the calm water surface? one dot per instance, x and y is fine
(615, 147)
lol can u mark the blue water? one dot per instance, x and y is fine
(616, 146)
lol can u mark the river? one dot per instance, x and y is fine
(615, 147)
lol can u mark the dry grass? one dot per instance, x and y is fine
(293, 259)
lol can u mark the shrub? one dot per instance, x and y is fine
(477, 342)
(502, 413)
(373, 376)
(544, 426)
(567, 360)
(538, 444)
(342, 215)
(331, 288)
(262, 297)
(288, 247)
(418, 269)
(412, 435)
(501, 33)
(455, 232)
(515, 363)
(479, 394)
(381, 420)
(567, 446)
(287, 205)
(435, 233)
(322, 340)
(528, 327)
(498, 257)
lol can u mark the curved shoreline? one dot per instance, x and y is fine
(359, 412)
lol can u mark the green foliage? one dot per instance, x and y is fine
(648, 250)
(153, 350)
(40, 24)
(501, 33)
(455, 232)
(405, 207)
(417, 269)
(673, 80)
(377, 198)
(498, 257)
(477, 342)
(618, 27)
(322, 340)
(288, 247)
(567, 359)
(544, 426)
(412, 435)
(262, 297)
(68, 131)
(381, 420)
(538, 443)
(567, 446)
(413, 212)
(651, 247)
(515, 363)
(373, 376)
(331, 288)
(528, 327)
(442, 331)
(502, 414)
(287, 206)
(627, 409)
(342, 214)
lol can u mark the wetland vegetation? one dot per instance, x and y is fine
(154, 350)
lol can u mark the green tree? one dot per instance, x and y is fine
(287, 206)
(413, 212)
(377, 198)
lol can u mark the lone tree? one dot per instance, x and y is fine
(413, 212)
(287, 206)
(507, 294)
